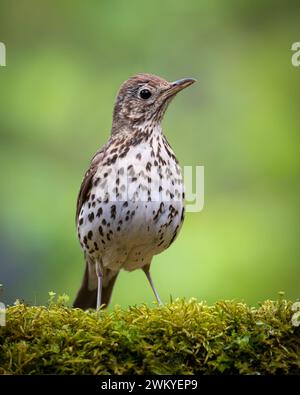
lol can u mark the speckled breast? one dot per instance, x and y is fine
(135, 207)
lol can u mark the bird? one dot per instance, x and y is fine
(130, 205)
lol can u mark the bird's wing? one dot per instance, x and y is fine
(88, 179)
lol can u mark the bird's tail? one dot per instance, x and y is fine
(87, 295)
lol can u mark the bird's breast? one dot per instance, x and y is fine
(135, 207)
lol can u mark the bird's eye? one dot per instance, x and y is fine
(145, 94)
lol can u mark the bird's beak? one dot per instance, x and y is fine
(178, 85)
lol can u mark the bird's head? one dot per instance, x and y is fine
(144, 98)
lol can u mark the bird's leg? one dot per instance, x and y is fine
(99, 273)
(148, 275)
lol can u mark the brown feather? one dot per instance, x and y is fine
(88, 179)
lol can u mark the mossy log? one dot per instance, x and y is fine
(182, 337)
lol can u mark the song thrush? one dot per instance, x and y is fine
(130, 205)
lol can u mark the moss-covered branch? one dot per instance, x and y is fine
(183, 337)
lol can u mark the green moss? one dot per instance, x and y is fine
(184, 337)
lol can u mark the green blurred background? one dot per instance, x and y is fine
(65, 63)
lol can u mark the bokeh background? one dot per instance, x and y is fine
(65, 62)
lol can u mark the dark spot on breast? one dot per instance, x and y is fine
(100, 230)
(104, 221)
(113, 211)
(91, 217)
(124, 153)
(99, 212)
(114, 158)
(148, 166)
(174, 235)
(139, 156)
(90, 235)
(182, 214)
(81, 221)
